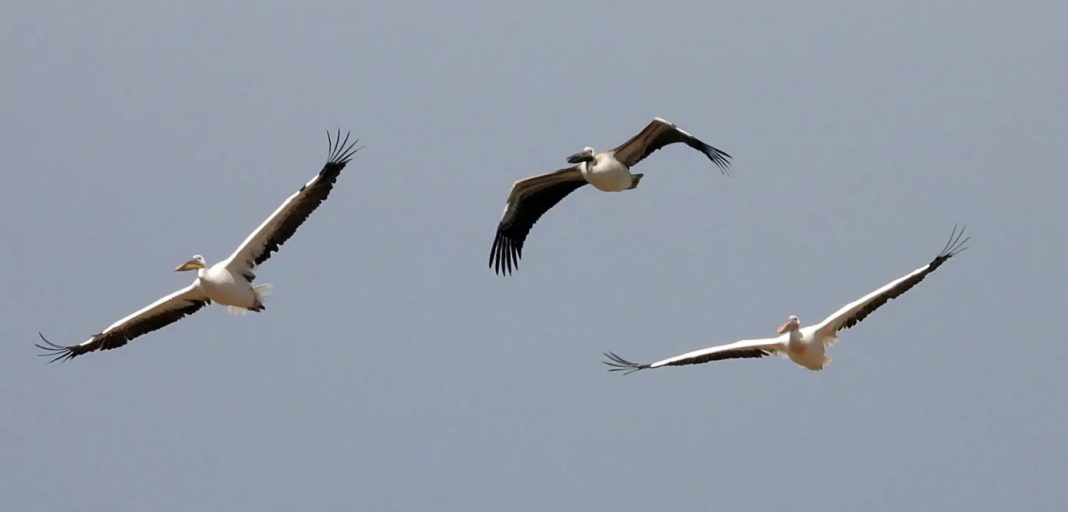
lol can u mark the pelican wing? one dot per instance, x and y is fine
(159, 314)
(660, 133)
(285, 220)
(854, 312)
(528, 201)
(745, 349)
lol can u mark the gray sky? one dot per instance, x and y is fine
(394, 371)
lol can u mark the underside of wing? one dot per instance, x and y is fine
(161, 313)
(854, 312)
(280, 226)
(527, 202)
(745, 349)
(660, 133)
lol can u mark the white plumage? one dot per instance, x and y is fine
(807, 345)
(228, 282)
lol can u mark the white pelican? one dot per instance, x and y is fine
(608, 171)
(228, 282)
(805, 346)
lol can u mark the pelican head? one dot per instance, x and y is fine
(197, 262)
(586, 155)
(792, 324)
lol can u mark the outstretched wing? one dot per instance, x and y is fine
(854, 312)
(281, 225)
(528, 201)
(159, 314)
(745, 349)
(659, 133)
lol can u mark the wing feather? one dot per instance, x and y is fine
(659, 133)
(159, 314)
(744, 349)
(852, 313)
(280, 225)
(527, 202)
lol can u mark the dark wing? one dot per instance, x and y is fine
(528, 201)
(281, 225)
(660, 133)
(159, 314)
(852, 313)
(745, 349)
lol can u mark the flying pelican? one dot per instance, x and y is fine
(805, 346)
(228, 282)
(608, 171)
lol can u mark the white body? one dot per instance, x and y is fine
(226, 288)
(806, 348)
(607, 174)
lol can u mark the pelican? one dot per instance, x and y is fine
(805, 346)
(228, 282)
(608, 171)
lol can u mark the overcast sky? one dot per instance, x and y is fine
(393, 371)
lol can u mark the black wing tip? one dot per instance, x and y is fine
(956, 244)
(56, 352)
(618, 364)
(341, 151)
(505, 254)
(718, 157)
